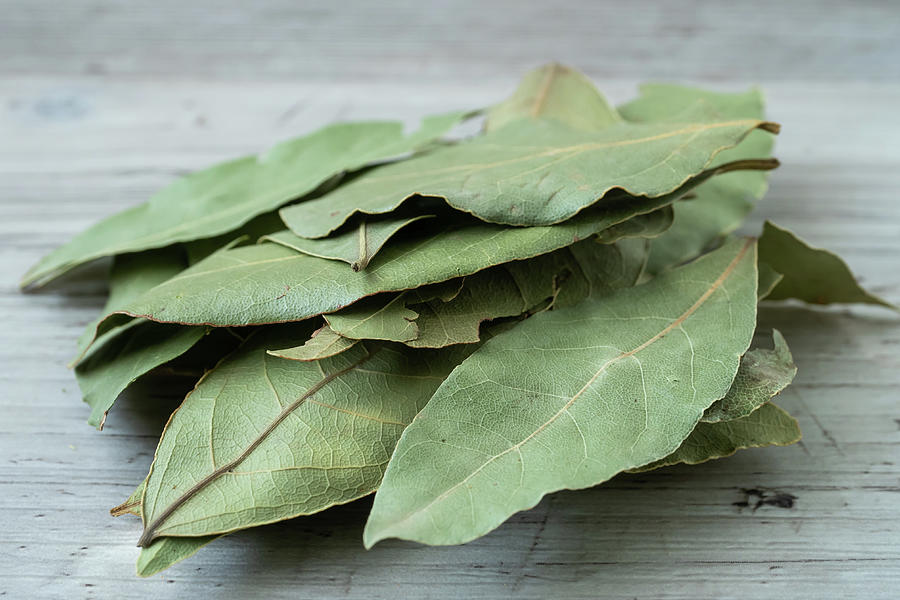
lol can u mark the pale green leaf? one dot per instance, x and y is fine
(324, 342)
(719, 205)
(268, 283)
(769, 425)
(376, 319)
(261, 439)
(356, 246)
(532, 172)
(558, 93)
(810, 274)
(763, 374)
(562, 277)
(571, 398)
(224, 197)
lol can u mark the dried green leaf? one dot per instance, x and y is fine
(224, 197)
(769, 425)
(131, 349)
(130, 276)
(376, 318)
(532, 172)
(575, 396)
(119, 362)
(268, 283)
(813, 275)
(261, 439)
(763, 374)
(324, 342)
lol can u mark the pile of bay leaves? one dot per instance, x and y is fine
(459, 324)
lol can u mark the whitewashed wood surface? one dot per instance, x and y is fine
(102, 103)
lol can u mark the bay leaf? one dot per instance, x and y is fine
(131, 349)
(763, 374)
(268, 283)
(563, 278)
(261, 439)
(374, 318)
(248, 233)
(768, 279)
(130, 276)
(107, 372)
(357, 246)
(324, 342)
(813, 275)
(531, 172)
(769, 425)
(721, 204)
(571, 398)
(558, 93)
(220, 199)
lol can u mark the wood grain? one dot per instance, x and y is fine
(102, 103)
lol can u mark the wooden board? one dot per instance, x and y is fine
(102, 103)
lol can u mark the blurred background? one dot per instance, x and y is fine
(102, 103)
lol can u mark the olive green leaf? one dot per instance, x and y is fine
(532, 172)
(763, 374)
(439, 319)
(575, 396)
(248, 233)
(375, 319)
(559, 93)
(270, 283)
(768, 279)
(356, 246)
(261, 439)
(563, 278)
(810, 274)
(222, 198)
(324, 342)
(106, 373)
(134, 348)
(130, 276)
(720, 205)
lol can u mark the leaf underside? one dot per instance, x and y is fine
(643, 354)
